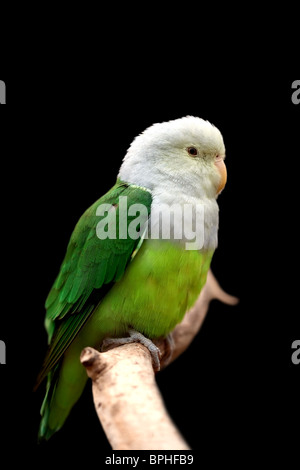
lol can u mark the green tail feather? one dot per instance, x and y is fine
(45, 432)
(62, 392)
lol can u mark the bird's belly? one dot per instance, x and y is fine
(159, 286)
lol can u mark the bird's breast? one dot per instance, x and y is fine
(161, 283)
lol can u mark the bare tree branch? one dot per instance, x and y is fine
(127, 400)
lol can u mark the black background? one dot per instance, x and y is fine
(64, 135)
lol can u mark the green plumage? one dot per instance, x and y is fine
(103, 288)
(89, 265)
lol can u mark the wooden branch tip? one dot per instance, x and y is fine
(88, 357)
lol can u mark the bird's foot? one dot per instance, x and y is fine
(135, 337)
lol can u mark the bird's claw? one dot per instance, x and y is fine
(135, 337)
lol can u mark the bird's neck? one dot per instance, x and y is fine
(189, 213)
(193, 193)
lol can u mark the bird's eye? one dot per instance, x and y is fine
(192, 151)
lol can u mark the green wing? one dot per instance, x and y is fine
(89, 269)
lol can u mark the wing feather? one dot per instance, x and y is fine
(89, 269)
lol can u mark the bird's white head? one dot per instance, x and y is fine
(186, 154)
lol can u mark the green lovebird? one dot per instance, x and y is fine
(132, 264)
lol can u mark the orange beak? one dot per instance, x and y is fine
(221, 167)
